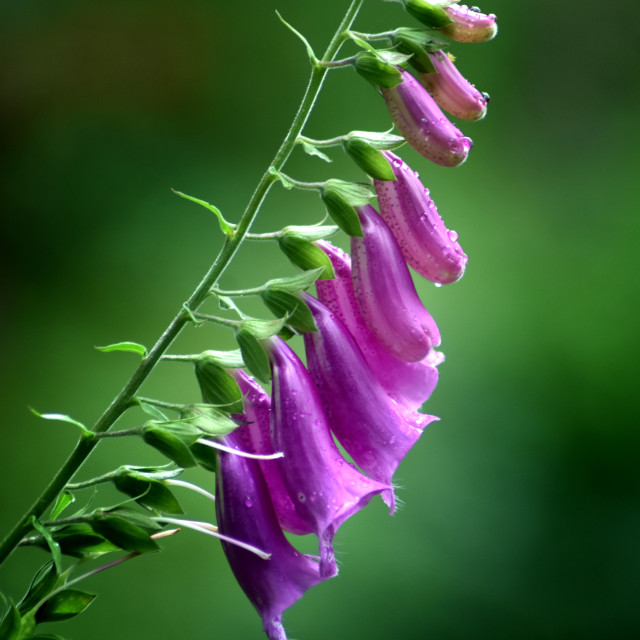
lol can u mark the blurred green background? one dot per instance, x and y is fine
(521, 514)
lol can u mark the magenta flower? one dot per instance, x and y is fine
(469, 25)
(426, 244)
(408, 383)
(386, 294)
(325, 489)
(375, 431)
(421, 121)
(256, 437)
(452, 91)
(244, 512)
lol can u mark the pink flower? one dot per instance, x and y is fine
(469, 25)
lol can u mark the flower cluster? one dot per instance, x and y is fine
(370, 343)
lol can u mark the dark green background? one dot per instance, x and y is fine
(521, 514)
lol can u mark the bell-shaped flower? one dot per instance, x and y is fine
(324, 487)
(469, 25)
(245, 513)
(374, 430)
(421, 121)
(408, 383)
(256, 438)
(426, 244)
(386, 294)
(451, 90)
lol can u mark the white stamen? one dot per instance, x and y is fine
(242, 454)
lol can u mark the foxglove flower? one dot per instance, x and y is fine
(375, 431)
(469, 25)
(244, 512)
(256, 437)
(408, 383)
(452, 91)
(421, 121)
(426, 244)
(325, 489)
(386, 294)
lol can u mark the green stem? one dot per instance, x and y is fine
(122, 401)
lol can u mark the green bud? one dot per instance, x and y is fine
(170, 445)
(124, 534)
(340, 203)
(306, 255)
(369, 159)
(427, 13)
(254, 355)
(376, 70)
(286, 304)
(217, 386)
(148, 493)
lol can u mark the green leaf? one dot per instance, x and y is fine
(64, 605)
(64, 499)
(306, 255)
(226, 227)
(286, 304)
(312, 56)
(254, 355)
(79, 540)
(312, 150)
(217, 386)
(44, 582)
(61, 418)
(211, 421)
(54, 547)
(148, 493)
(262, 329)
(299, 282)
(10, 625)
(170, 445)
(286, 183)
(418, 43)
(151, 410)
(134, 347)
(124, 534)
(206, 456)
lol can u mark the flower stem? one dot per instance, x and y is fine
(232, 243)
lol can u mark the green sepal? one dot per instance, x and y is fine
(134, 347)
(253, 354)
(44, 582)
(286, 304)
(383, 141)
(209, 420)
(64, 605)
(217, 386)
(148, 493)
(305, 255)
(226, 227)
(206, 456)
(169, 444)
(226, 359)
(374, 68)
(299, 282)
(429, 14)
(369, 159)
(123, 533)
(340, 198)
(418, 43)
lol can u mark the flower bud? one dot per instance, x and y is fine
(452, 91)
(421, 121)
(376, 70)
(426, 244)
(469, 25)
(386, 294)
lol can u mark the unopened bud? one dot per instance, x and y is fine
(469, 24)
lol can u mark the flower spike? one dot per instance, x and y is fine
(386, 294)
(325, 489)
(426, 244)
(375, 431)
(244, 512)
(421, 121)
(408, 383)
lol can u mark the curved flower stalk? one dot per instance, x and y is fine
(469, 25)
(421, 121)
(426, 244)
(244, 512)
(451, 90)
(375, 431)
(408, 383)
(386, 294)
(325, 489)
(256, 436)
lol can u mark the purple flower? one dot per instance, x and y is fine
(386, 294)
(244, 512)
(375, 431)
(421, 121)
(469, 25)
(256, 437)
(452, 91)
(408, 383)
(325, 489)
(426, 244)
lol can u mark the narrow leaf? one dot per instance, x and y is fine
(61, 418)
(44, 582)
(312, 150)
(134, 347)
(151, 410)
(64, 499)
(54, 547)
(299, 282)
(226, 227)
(64, 605)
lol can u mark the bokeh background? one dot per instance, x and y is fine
(521, 513)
